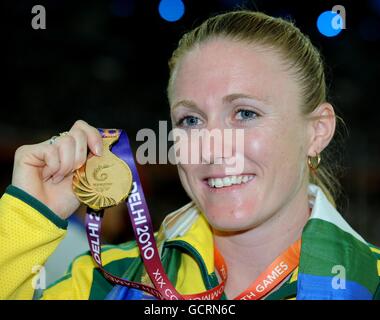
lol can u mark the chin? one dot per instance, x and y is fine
(231, 220)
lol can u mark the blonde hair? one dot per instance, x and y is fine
(303, 59)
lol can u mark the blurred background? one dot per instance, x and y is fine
(106, 62)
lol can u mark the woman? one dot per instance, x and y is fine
(239, 70)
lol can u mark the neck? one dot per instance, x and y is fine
(248, 253)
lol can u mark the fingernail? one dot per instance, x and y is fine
(57, 179)
(99, 149)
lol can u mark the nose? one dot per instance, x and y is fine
(217, 145)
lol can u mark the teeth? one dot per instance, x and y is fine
(228, 181)
(218, 183)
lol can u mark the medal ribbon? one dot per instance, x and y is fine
(143, 231)
(274, 274)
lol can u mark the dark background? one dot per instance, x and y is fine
(106, 62)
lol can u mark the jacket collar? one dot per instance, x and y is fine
(188, 227)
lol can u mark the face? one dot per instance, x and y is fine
(232, 85)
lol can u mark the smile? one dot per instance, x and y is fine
(228, 181)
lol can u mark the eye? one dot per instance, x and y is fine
(189, 121)
(245, 114)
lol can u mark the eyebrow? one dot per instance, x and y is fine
(227, 99)
(185, 103)
(235, 96)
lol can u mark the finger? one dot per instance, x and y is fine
(94, 139)
(80, 147)
(50, 157)
(66, 150)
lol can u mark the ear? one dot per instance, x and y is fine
(321, 128)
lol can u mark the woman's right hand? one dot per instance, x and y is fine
(45, 170)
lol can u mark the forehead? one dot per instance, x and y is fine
(220, 67)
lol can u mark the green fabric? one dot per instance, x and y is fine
(324, 245)
(101, 286)
(286, 291)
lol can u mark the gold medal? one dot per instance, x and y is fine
(104, 181)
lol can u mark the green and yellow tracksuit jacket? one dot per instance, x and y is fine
(30, 232)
